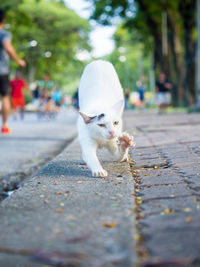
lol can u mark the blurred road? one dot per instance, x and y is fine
(33, 142)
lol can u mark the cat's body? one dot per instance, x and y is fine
(101, 105)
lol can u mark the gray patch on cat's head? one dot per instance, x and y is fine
(99, 117)
(92, 118)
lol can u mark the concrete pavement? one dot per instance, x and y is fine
(146, 213)
(64, 217)
(32, 143)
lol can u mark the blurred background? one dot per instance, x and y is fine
(142, 38)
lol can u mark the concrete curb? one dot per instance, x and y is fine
(64, 216)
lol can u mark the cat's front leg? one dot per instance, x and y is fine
(91, 159)
(119, 147)
(124, 142)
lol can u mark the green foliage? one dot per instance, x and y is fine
(128, 58)
(132, 35)
(59, 32)
(105, 10)
(28, 97)
(143, 18)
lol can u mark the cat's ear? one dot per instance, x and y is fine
(87, 119)
(118, 107)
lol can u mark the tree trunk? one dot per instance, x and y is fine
(187, 11)
(177, 59)
(160, 63)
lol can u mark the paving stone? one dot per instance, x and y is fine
(183, 204)
(166, 245)
(190, 171)
(171, 222)
(164, 191)
(168, 227)
(19, 261)
(158, 177)
(194, 181)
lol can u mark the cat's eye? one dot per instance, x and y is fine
(115, 122)
(102, 125)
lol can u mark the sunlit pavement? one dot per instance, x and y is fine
(146, 211)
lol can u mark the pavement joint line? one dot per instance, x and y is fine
(176, 261)
(170, 184)
(73, 257)
(24, 252)
(167, 197)
(188, 142)
(180, 229)
(150, 158)
(145, 215)
(163, 165)
(143, 147)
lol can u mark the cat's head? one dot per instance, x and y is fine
(107, 125)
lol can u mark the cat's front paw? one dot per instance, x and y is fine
(126, 140)
(100, 173)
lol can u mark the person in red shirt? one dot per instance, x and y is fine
(17, 97)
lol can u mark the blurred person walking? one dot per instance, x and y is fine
(126, 98)
(6, 50)
(163, 92)
(141, 91)
(18, 101)
(75, 99)
(45, 86)
(46, 106)
(57, 97)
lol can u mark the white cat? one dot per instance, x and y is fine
(101, 105)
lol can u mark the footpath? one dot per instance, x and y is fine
(166, 173)
(146, 213)
(32, 143)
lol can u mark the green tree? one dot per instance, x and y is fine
(48, 35)
(129, 58)
(146, 17)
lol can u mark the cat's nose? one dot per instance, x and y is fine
(112, 133)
